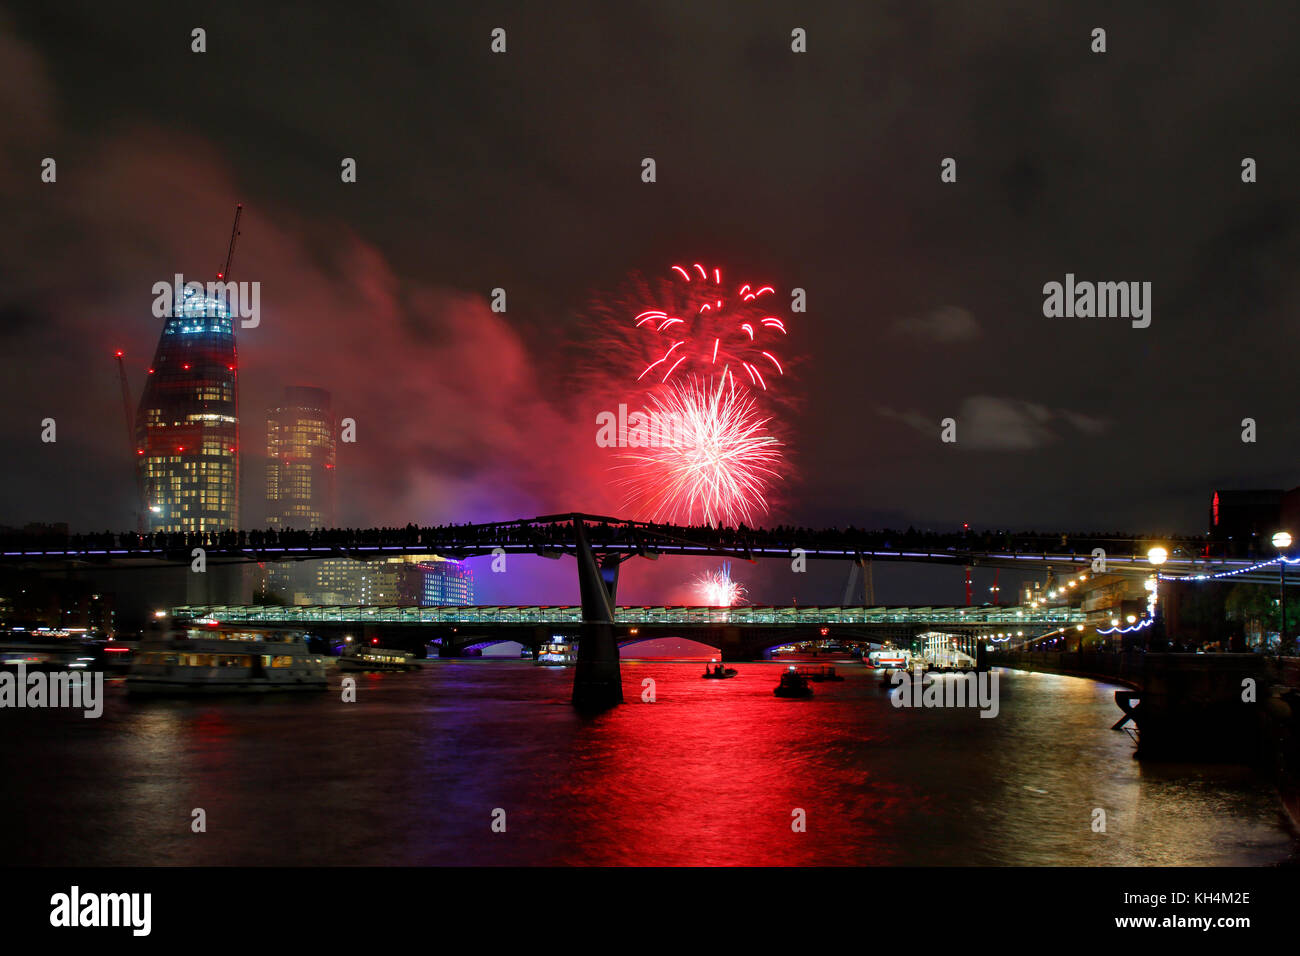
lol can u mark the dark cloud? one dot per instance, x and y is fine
(944, 326)
(988, 422)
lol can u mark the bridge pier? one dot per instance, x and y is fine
(731, 648)
(597, 679)
(540, 636)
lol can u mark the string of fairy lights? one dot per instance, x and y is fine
(1133, 623)
(1218, 575)
(1157, 556)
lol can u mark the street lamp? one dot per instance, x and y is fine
(1157, 556)
(1282, 541)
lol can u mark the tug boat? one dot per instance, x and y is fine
(793, 685)
(366, 657)
(718, 672)
(206, 657)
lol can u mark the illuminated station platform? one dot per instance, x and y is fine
(750, 615)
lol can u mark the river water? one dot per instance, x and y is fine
(710, 773)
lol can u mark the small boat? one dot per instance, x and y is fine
(718, 672)
(368, 657)
(793, 685)
(818, 674)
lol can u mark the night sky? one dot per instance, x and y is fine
(522, 171)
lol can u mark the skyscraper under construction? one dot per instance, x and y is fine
(187, 425)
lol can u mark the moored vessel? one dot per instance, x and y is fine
(558, 652)
(368, 657)
(206, 657)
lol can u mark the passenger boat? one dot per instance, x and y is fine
(205, 657)
(560, 652)
(793, 685)
(890, 658)
(718, 672)
(367, 657)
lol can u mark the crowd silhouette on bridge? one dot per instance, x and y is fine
(606, 535)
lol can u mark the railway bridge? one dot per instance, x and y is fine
(739, 633)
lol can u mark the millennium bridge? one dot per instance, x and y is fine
(556, 535)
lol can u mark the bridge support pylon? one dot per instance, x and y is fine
(597, 679)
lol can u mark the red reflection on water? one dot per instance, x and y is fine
(722, 772)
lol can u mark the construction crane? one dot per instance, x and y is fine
(224, 274)
(130, 438)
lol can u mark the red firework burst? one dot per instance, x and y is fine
(694, 348)
(699, 324)
(717, 589)
(711, 459)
